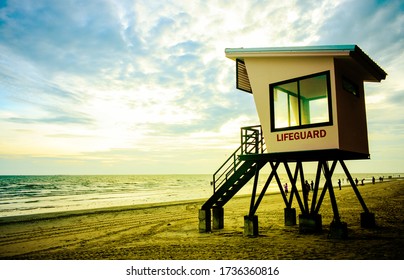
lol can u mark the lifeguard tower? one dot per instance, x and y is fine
(311, 106)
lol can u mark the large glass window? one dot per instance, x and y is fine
(301, 102)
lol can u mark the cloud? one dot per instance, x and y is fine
(63, 36)
(54, 120)
(109, 78)
(377, 27)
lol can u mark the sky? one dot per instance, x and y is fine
(144, 87)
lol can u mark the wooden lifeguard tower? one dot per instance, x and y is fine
(311, 106)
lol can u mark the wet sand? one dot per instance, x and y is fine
(170, 231)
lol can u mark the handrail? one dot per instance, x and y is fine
(252, 142)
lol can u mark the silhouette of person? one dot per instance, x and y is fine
(306, 190)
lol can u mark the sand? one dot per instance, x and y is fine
(170, 231)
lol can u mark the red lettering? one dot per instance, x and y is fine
(301, 135)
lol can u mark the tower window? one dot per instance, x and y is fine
(301, 102)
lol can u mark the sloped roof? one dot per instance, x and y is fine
(352, 51)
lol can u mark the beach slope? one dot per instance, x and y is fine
(170, 231)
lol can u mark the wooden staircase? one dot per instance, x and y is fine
(234, 173)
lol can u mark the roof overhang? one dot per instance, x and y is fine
(336, 51)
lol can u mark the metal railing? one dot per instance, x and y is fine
(252, 142)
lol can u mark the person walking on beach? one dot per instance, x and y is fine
(306, 190)
(312, 185)
(286, 189)
(307, 186)
(339, 184)
(373, 180)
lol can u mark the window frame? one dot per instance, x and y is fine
(300, 126)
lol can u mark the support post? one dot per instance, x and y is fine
(290, 216)
(315, 191)
(251, 226)
(205, 220)
(367, 218)
(218, 217)
(305, 191)
(338, 230)
(310, 223)
(294, 190)
(254, 191)
(264, 189)
(351, 181)
(328, 177)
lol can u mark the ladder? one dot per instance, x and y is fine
(235, 173)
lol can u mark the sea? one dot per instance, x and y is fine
(26, 195)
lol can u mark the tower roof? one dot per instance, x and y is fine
(374, 71)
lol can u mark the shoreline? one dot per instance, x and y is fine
(42, 203)
(93, 211)
(130, 207)
(162, 231)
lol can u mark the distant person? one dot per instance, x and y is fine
(373, 180)
(362, 182)
(306, 190)
(339, 184)
(307, 186)
(312, 185)
(286, 189)
(356, 181)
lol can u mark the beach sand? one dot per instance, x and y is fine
(170, 231)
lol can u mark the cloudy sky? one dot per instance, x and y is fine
(135, 87)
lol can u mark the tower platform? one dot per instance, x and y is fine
(247, 161)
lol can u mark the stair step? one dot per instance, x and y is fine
(236, 180)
